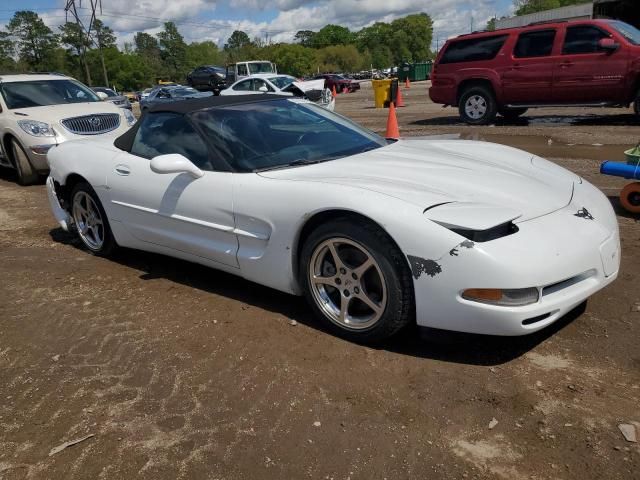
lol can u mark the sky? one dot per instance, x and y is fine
(272, 20)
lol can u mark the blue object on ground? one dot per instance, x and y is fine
(620, 169)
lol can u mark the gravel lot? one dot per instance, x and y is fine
(181, 372)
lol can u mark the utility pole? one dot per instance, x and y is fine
(71, 7)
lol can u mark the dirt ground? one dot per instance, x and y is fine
(181, 372)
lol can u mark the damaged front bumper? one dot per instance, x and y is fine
(60, 214)
(568, 255)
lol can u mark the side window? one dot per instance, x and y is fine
(473, 50)
(244, 86)
(162, 133)
(583, 39)
(242, 69)
(535, 44)
(260, 83)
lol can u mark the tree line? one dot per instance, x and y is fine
(92, 54)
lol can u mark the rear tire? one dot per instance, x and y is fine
(91, 222)
(477, 105)
(367, 295)
(512, 113)
(26, 174)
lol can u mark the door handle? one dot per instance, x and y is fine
(516, 66)
(566, 64)
(123, 170)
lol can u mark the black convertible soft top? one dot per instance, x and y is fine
(183, 107)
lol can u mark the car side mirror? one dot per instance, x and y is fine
(608, 45)
(263, 89)
(102, 96)
(174, 163)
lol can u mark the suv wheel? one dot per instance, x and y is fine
(478, 106)
(26, 174)
(512, 113)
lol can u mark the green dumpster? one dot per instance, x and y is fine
(414, 71)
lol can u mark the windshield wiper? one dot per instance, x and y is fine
(295, 163)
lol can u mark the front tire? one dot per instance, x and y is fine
(357, 281)
(90, 219)
(26, 174)
(478, 105)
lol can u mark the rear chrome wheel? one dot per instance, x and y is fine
(347, 283)
(477, 105)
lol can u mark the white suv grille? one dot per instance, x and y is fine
(92, 124)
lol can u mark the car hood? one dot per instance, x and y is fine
(55, 113)
(504, 181)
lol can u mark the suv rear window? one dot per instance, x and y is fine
(474, 49)
(535, 44)
(582, 39)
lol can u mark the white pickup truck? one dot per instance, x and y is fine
(237, 71)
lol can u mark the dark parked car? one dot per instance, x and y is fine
(577, 63)
(208, 77)
(170, 94)
(118, 100)
(340, 82)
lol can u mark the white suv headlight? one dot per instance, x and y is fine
(131, 119)
(37, 129)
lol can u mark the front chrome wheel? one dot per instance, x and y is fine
(347, 284)
(88, 220)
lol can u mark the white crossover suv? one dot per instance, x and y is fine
(38, 111)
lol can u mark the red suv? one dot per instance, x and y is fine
(577, 63)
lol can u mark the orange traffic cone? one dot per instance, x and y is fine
(399, 101)
(406, 83)
(392, 123)
(333, 91)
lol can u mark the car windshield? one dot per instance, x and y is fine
(282, 133)
(282, 81)
(107, 91)
(261, 67)
(629, 32)
(39, 93)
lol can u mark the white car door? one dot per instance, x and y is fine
(176, 210)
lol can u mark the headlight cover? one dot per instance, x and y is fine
(515, 297)
(37, 129)
(131, 119)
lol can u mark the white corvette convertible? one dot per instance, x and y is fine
(456, 235)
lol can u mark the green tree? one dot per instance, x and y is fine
(491, 25)
(172, 51)
(35, 41)
(305, 37)
(103, 38)
(412, 37)
(73, 36)
(293, 59)
(203, 53)
(339, 58)
(237, 41)
(7, 49)
(332, 35)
